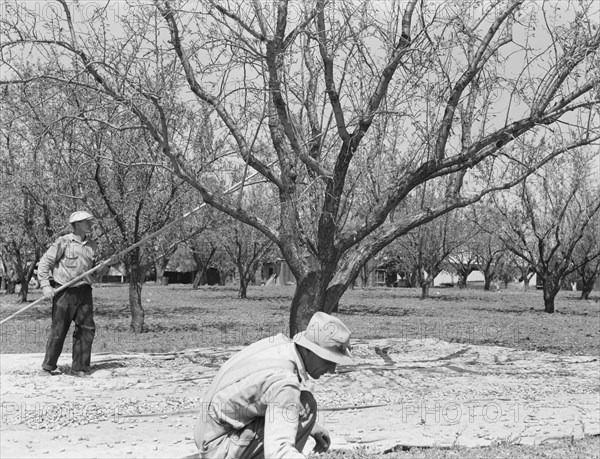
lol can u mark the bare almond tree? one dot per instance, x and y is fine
(547, 222)
(344, 108)
(32, 197)
(587, 257)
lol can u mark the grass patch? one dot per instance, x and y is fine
(588, 447)
(178, 317)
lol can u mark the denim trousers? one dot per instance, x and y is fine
(71, 305)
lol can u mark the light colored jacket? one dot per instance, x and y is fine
(68, 258)
(263, 380)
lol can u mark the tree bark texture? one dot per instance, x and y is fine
(135, 305)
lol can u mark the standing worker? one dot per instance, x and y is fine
(258, 405)
(67, 258)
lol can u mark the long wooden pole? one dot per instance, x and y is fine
(114, 257)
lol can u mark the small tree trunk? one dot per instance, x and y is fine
(487, 283)
(585, 294)
(160, 266)
(587, 285)
(364, 275)
(425, 290)
(462, 280)
(135, 306)
(25, 278)
(10, 286)
(196, 282)
(200, 278)
(242, 292)
(136, 282)
(24, 290)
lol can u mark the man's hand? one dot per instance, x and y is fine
(322, 440)
(48, 291)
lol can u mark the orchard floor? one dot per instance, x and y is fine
(461, 369)
(399, 394)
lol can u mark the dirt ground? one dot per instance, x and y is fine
(420, 392)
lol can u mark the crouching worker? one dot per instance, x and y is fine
(257, 405)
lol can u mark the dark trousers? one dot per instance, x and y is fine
(71, 305)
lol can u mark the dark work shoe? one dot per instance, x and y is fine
(44, 372)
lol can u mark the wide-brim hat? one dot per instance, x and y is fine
(328, 337)
(80, 216)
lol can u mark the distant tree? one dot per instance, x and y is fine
(465, 256)
(247, 249)
(586, 257)
(134, 197)
(207, 251)
(489, 259)
(116, 174)
(491, 253)
(463, 261)
(522, 267)
(167, 246)
(506, 270)
(427, 248)
(35, 195)
(164, 249)
(552, 217)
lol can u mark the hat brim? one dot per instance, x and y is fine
(82, 219)
(337, 357)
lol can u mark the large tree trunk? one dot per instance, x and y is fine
(304, 302)
(315, 293)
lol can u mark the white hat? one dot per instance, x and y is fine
(328, 337)
(79, 216)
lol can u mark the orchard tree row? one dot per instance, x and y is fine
(365, 121)
(52, 165)
(548, 226)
